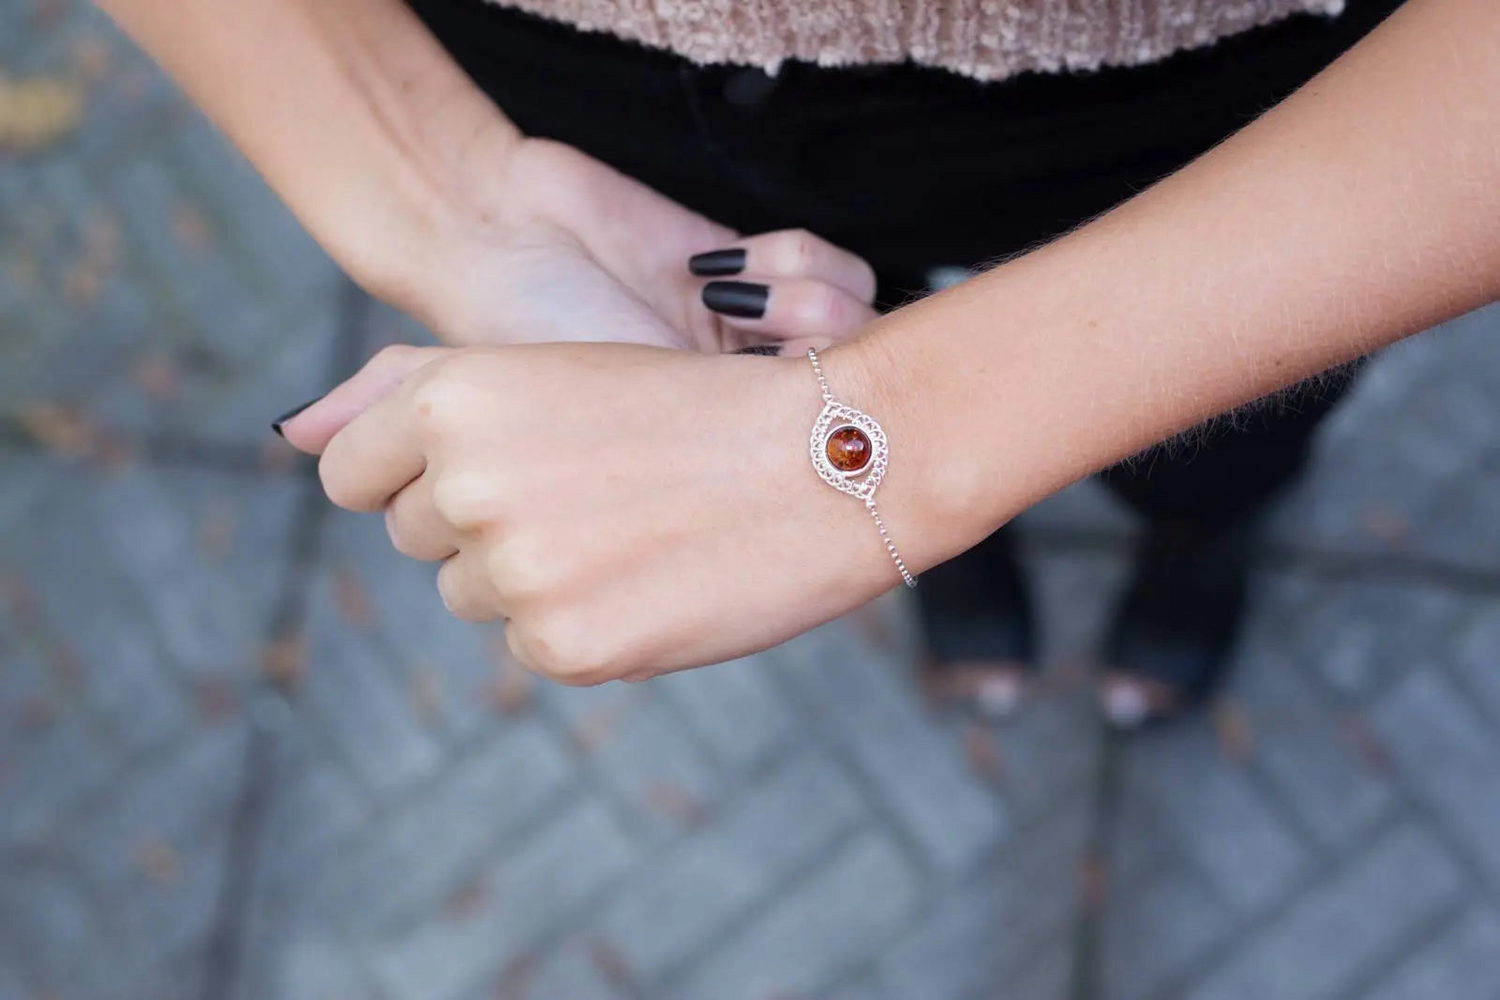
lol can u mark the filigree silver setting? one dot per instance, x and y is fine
(860, 482)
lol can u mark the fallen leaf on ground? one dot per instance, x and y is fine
(511, 690)
(191, 228)
(216, 531)
(60, 429)
(284, 660)
(352, 598)
(38, 112)
(1236, 738)
(1367, 745)
(610, 963)
(427, 694)
(676, 803)
(156, 376)
(157, 859)
(466, 902)
(983, 753)
(515, 978)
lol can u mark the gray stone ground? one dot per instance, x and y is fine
(416, 821)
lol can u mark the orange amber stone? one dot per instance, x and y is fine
(848, 449)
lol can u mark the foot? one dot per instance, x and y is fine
(1175, 629)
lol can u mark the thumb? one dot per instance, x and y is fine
(312, 425)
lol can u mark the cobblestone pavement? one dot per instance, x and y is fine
(415, 820)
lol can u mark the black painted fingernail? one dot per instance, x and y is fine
(716, 263)
(289, 414)
(765, 350)
(743, 299)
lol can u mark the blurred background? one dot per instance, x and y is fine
(244, 753)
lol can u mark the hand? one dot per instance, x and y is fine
(560, 247)
(627, 510)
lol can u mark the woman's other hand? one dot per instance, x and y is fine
(560, 247)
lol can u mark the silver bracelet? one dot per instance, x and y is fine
(849, 451)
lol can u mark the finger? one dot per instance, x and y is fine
(376, 455)
(310, 428)
(788, 308)
(415, 527)
(466, 587)
(789, 253)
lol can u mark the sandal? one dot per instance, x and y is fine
(1174, 630)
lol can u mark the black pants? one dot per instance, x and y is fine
(913, 167)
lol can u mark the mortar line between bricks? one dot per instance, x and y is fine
(1088, 937)
(874, 799)
(226, 946)
(670, 979)
(1380, 969)
(996, 857)
(1215, 956)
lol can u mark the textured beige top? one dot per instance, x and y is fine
(989, 39)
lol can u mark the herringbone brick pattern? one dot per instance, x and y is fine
(244, 753)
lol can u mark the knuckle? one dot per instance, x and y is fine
(393, 355)
(571, 650)
(397, 533)
(464, 500)
(341, 490)
(457, 598)
(820, 308)
(801, 253)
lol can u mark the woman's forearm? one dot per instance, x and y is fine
(351, 111)
(1363, 209)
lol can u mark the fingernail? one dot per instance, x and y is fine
(743, 299)
(289, 414)
(715, 263)
(766, 350)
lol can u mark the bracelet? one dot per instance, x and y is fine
(849, 452)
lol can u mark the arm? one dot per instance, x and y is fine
(1363, 209)
(632, 511)
(432, 200)
(351, 111)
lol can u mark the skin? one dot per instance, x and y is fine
(629, 510)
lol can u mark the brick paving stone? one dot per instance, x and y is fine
(1156, 928)
(1305, 750)
(422, 853)
(532, 887)
(982, 932)
(1464, 961)
(677, 902)
(1448, 755)
(1332, 934)
(734, 709)
(358, 701)
(56, 931)
(211, 613)
(1366, 634)
(878, 719)
(1476, 657)
(642, 751)
(1222, 821)
(579, 970)
(451, 666)
(55, 766)
(816, 931)
(162, 809)
(1050, 977)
